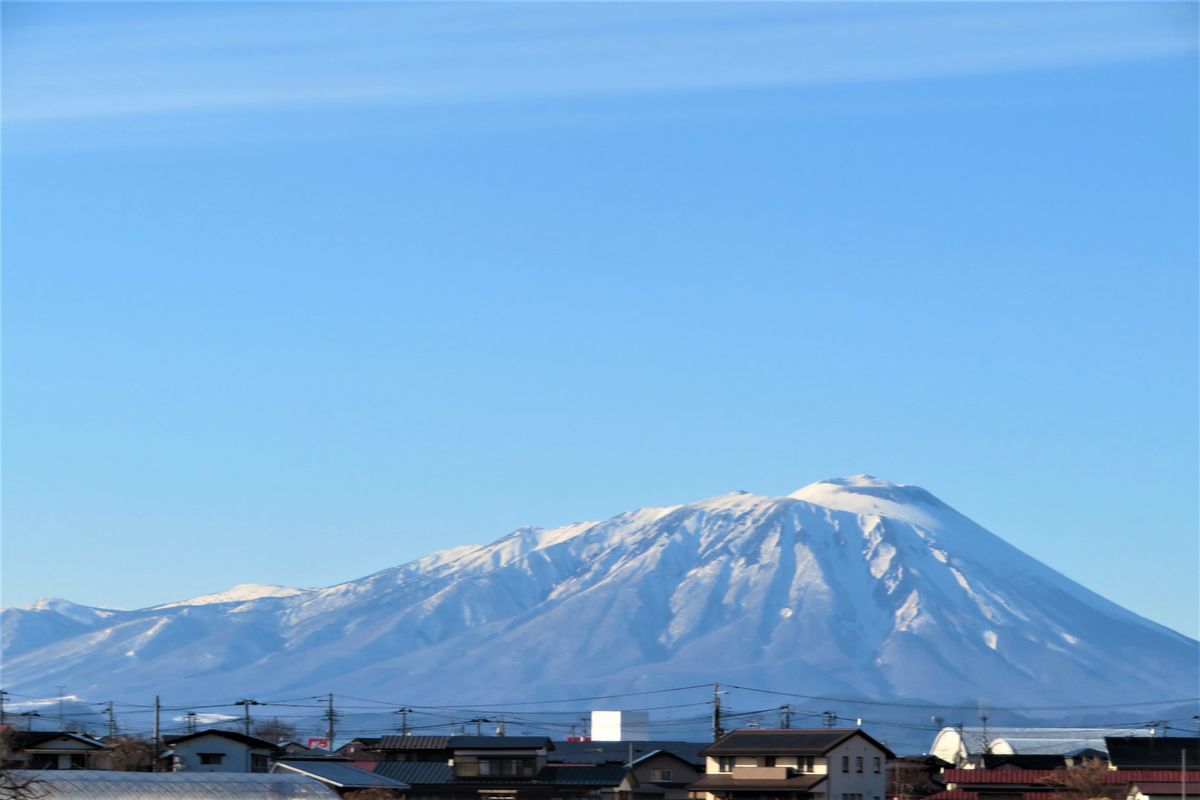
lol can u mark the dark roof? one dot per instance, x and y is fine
(1147, 752)
(340, 774)
(412, 743)
(600, 775)
(666, 754)
(89, 784)
(249, 741)
(416, 773)
(785, 742)
(425, 773)
(725, 782)
(618, 752)
(21, 740)
(500, 743)
(1024, 760)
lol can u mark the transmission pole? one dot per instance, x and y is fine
(245, 704)
(157, 731)
(330, 715)
(717, 730)
(112, 720)
(403, 712)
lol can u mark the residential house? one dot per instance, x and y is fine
(218, 751)
(54, 750)
(822, 764)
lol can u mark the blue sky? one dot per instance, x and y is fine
(293, 293)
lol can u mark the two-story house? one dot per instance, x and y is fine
(822, 764)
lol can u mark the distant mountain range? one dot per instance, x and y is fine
(849, 587)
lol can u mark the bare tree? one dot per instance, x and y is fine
(1083, 782)
(275, 731)
(376, 793)
(131, 754)
(16, 784)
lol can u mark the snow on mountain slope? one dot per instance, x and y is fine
(852, 586)
(237, 594)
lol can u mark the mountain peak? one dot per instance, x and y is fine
(866, 494)
(241, 593)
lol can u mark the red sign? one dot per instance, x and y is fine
(318, 744)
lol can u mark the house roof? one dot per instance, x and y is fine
(1166, 787)
(249, 741)
(785, 742)
(725, 782)
(24, 740)
(416, 773)
(412, 743)
(500, 743)
(618, 752)
(1024, 760)
(426, 773)
(984, 777)
(1147, 752)
(340, 774)
(81, 784)
(665, 754)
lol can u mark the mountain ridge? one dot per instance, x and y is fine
(851, 585)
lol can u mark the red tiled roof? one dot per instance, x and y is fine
(980, 777)
(1167, 787)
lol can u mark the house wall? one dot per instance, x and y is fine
(871, 785)
(236, 755)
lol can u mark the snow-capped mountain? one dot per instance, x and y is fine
(852, 587)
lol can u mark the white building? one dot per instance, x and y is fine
(620, 726)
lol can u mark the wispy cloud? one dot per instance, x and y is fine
(229, 58)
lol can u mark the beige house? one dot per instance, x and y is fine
(822, 764)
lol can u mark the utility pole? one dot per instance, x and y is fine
(191, 722)
(62, 725)
(112, 720)
(245, 704)
(500, 727)
(785, 716)
(157, 731)
(587, 735)
(403, 712)
(717, 730)
(831, 718)
(4, 694)
(330, 715)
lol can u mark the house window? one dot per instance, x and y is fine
(768, 761)
(876, 765)
(845, 763)
(211, 759)
(858, 765)
(724, 764)
(660, 775)
(804, 763)
(259, 763)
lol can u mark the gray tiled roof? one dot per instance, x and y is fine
(340, 774)
(755, 742)
(618, 752)
(500, 742)
(105, 785)
(416, 773)
(413, 743)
